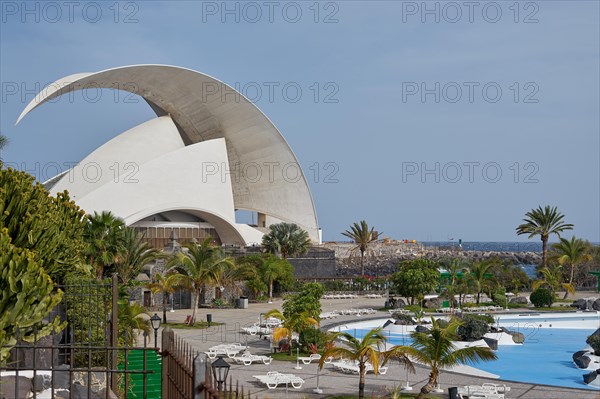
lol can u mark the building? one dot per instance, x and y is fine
(208, 153)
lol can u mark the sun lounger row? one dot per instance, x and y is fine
(340, 296)
(348, 366)
(247, 359)
(274, 378)
(487, 391)
(482, 309)
(357, 312)
(401, 311)
(256, 329)
(229, 350)
(309, 359)
(373, 296)
(272, 322)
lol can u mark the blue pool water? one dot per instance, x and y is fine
(545, 358)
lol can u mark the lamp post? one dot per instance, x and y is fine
(155, 321)
(220, 370)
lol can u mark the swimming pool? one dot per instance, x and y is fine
(546, 356)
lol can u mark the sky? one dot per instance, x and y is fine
(429, 120)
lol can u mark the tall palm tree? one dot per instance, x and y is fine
(294, 323)
(571, 253)
(368, 350)
(362, 236)
(543, 222)
(286, 239)
(479, 276)
(199, 265)
(455, 267)
(3, 141)
(436, 350)
(159, 285)
(273, 269)
(103, 234)
(135, 254)
(552, 278)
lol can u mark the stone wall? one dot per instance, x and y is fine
(383, 257)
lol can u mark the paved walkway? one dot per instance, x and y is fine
(330, 381)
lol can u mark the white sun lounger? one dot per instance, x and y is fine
(309, 359)
(229, 350)
(247, 359)
(273, 379)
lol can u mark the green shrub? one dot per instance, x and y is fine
(541, 297)
(310, 336)
(594, 342)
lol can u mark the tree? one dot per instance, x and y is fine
(307, 300)
(27, 297)
(159, 285)
(416, 278)
(273, 269)
(131, 321)
(51, 227)
(134, 254)
(201, 264)
(263, 270)
(292, 323)
(368, 350)
(362, 236)
(285, 240)
(480, 275)
(104, 235)
(571, 253)
(436, 350)
(552, 278)
(543, 223)
(456, 268)
(3, 141)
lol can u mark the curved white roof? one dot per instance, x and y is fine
(204, 108)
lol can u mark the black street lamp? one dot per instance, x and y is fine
(220, 370)
(155, 321)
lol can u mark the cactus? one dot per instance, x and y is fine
(27, 296)
(51, 227)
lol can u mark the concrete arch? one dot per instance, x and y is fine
(204, 108)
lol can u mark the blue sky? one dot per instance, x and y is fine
(527, 74)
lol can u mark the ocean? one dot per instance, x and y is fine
(496, 246)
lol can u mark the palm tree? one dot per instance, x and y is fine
(436, 350)
(3, 141)
(294, 323)
(368, 350)
(199, 265)
(135, 254)
(159, 285)
(479, 275)
(543, 222)
(286, 239)
(104, 237)
(273, 269)
(552, 278)
(455, 268)
(130, 320)
(571, 253)
(362, 236)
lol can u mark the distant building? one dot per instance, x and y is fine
(208, 153)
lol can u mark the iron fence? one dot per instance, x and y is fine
(88, 358)
(187, 373)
